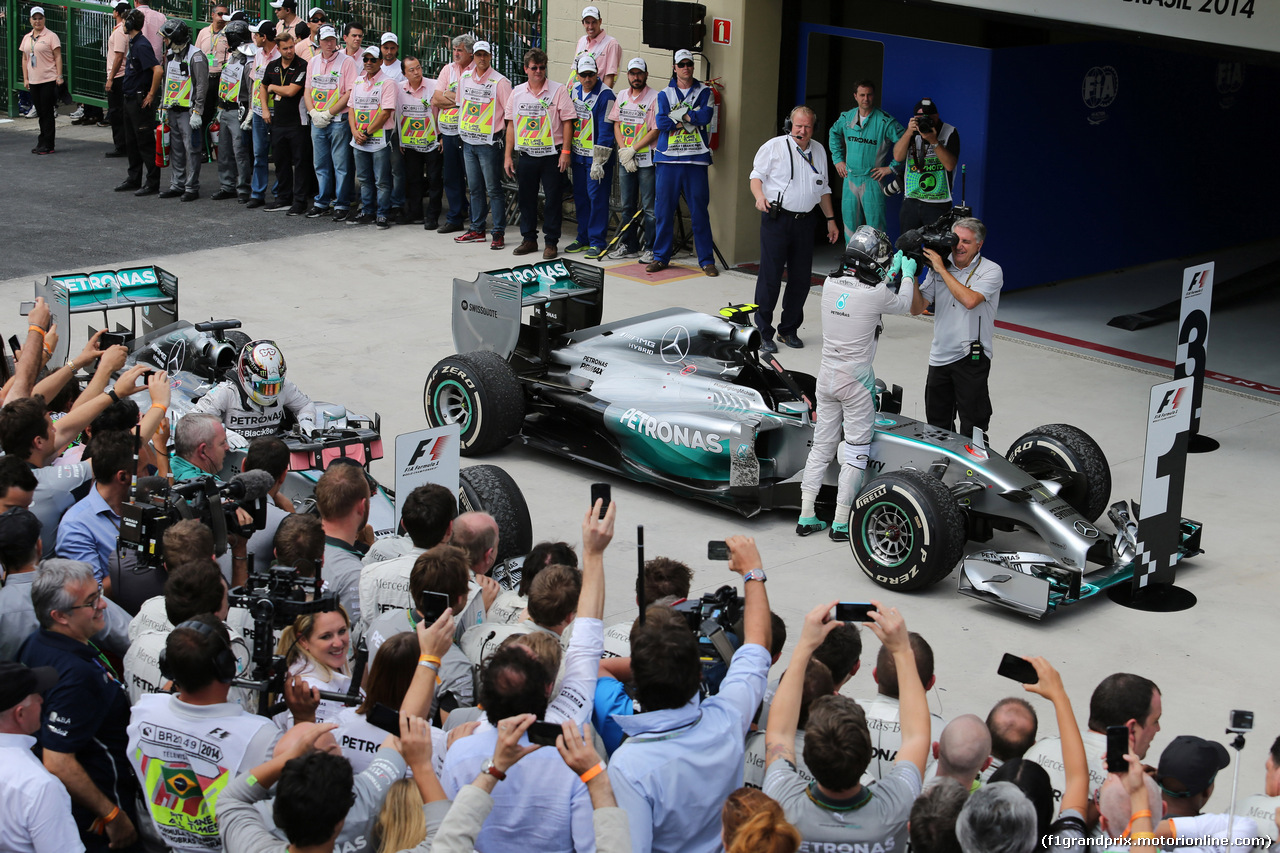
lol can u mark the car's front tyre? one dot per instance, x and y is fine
(907, 532)
(481, 393)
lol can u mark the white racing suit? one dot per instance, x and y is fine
(250, 420)
(851, 312)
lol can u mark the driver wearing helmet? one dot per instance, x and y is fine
(853, 300)
(254, 403)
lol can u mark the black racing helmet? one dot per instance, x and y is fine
(176, 31)
(237, 33)
(868, 255)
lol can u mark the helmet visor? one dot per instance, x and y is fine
(267, 387)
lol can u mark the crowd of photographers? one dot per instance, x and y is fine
(328, 691)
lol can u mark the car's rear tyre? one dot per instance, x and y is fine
(488, 488)
(481, 393)
(1055, 448)
(907, 532)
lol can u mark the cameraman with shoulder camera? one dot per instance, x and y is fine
(965, 292)
(788, 180)
(930, 148)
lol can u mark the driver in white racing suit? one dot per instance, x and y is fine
(254, 403)
(852, 303)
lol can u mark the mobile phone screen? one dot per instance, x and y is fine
(717, 550)
(1117, 747)
(385, 718)
(1012, 666)
(432, 604)
(601, 492)
(854, 611)
(544, 733)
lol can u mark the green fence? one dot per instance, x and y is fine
(425, 29)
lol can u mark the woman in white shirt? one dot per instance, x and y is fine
(315, 649)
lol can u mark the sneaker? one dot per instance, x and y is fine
(810, 524)
(223, 195)
(340, 215)
(43, 151)
(526, 247)
(576, 246)
(296, 210)
(623, 252)
(449, 228)
(382, 222)
(78, 113)
(362, 219)
(646, 257)
(768, 346)
(839, 533)
(316, 212)
(253, 202)
(499, 241)
(595, 253)
(277, 206)
(792, 340)
(469, 237)
(30, 112)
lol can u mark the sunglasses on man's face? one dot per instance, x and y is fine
(685, 64)
(372, 59)
(537, 67)
(586, 73)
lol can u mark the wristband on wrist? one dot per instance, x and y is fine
(159, 406)
(99, 825)
(34, 328)
(428, 659)
(592, 773)
(1144, 813)
(111, 392)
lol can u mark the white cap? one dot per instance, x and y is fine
(482, 46)
(591, 12)
(238, 15)
(372, 51)
(278, 4)
(35, 10)
(638, 64)
(682, 55)
(118, 3)
(258, 27)
(389, 37)
(313, 10)
(328, 32)
(587, 62)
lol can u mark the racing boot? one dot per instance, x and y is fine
(810, 524)
(839, 532)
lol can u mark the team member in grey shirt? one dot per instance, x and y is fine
(965, 292)
(836, 808)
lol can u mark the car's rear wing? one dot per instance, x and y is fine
(565, 294)
(149, 294)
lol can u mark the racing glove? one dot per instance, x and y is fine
(236, 441)
(908, 267)
(321, 118)
(627, 159)
(196, 122)
(248, 119)
(600, 155)
(677, 115)
(896, 266)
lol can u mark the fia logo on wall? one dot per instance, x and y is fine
(1099, 89)
(1229, 80)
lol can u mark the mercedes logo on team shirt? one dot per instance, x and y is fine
(675, 345)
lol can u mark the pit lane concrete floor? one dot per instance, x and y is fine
(362, 316)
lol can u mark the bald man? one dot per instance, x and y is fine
(477, 534)
(963, 750)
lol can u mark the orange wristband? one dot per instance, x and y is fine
(158, 406)
(592, 773)
(1144, 813)
(428, 659)
(34, 328)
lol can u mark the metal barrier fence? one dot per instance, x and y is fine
(425, 29)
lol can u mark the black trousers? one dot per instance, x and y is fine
(288, 150)
(530, 172)
(115, 112)
(917, 214)
(959, 387)
(45, 97)
(140, 140)
(785, 241)
(422, 177)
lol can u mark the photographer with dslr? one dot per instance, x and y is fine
(965, 292)
(930, 148)
(788, 180)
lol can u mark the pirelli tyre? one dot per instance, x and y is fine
(1067, 453)
(488, 488)
(481, 393)
(907, 532)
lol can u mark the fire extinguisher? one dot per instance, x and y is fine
(211, 140)
(162, 141)
(714, 127)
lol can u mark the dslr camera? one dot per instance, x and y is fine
(927, 123)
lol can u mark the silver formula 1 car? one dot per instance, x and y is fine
(687, 401)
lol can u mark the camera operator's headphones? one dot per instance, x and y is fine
(224, 661)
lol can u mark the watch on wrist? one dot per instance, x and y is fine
(754, 575)
(70, 364)
(492, 770)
